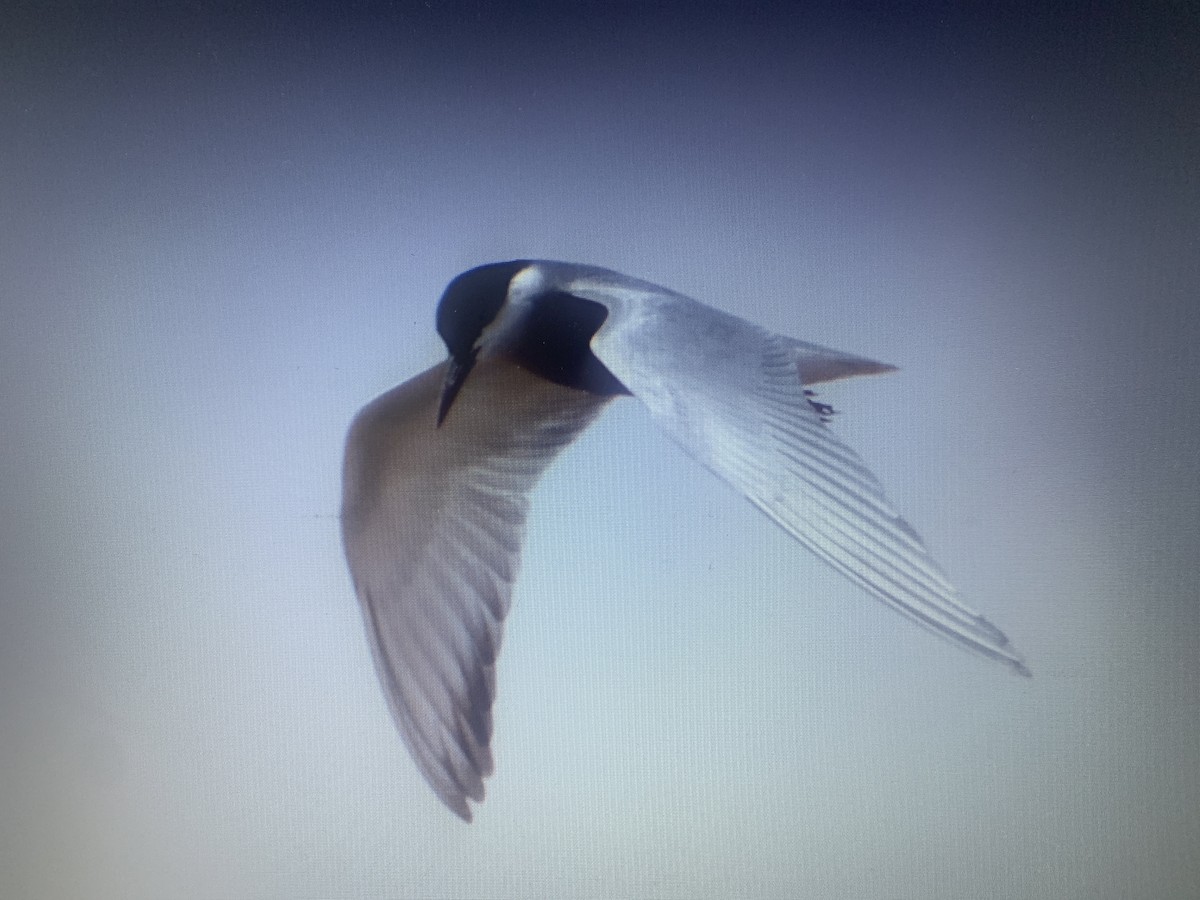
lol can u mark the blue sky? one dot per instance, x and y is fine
(224, 233)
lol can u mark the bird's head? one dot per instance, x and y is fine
(477, 313)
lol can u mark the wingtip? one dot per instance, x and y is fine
(1013, 660)
(1003, 651)
(460, 807)
(1009, 655)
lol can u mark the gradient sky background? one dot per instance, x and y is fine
(221, 234)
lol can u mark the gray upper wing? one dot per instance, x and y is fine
(731, 394)
(432, 522)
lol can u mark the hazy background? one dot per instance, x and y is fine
(221, 234)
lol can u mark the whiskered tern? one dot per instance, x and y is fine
(438, 473)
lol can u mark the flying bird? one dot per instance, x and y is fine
(438, 472)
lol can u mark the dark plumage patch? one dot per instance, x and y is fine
(555, 344)
(471, 301)
(824, 410)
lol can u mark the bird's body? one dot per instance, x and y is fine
(438, 472)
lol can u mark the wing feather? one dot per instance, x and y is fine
(732, 394)
(432, 521)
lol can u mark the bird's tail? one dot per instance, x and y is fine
(817, 364)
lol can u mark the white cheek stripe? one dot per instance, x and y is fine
(523, 287)
(526, 283)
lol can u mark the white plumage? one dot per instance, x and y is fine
(438, 473)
